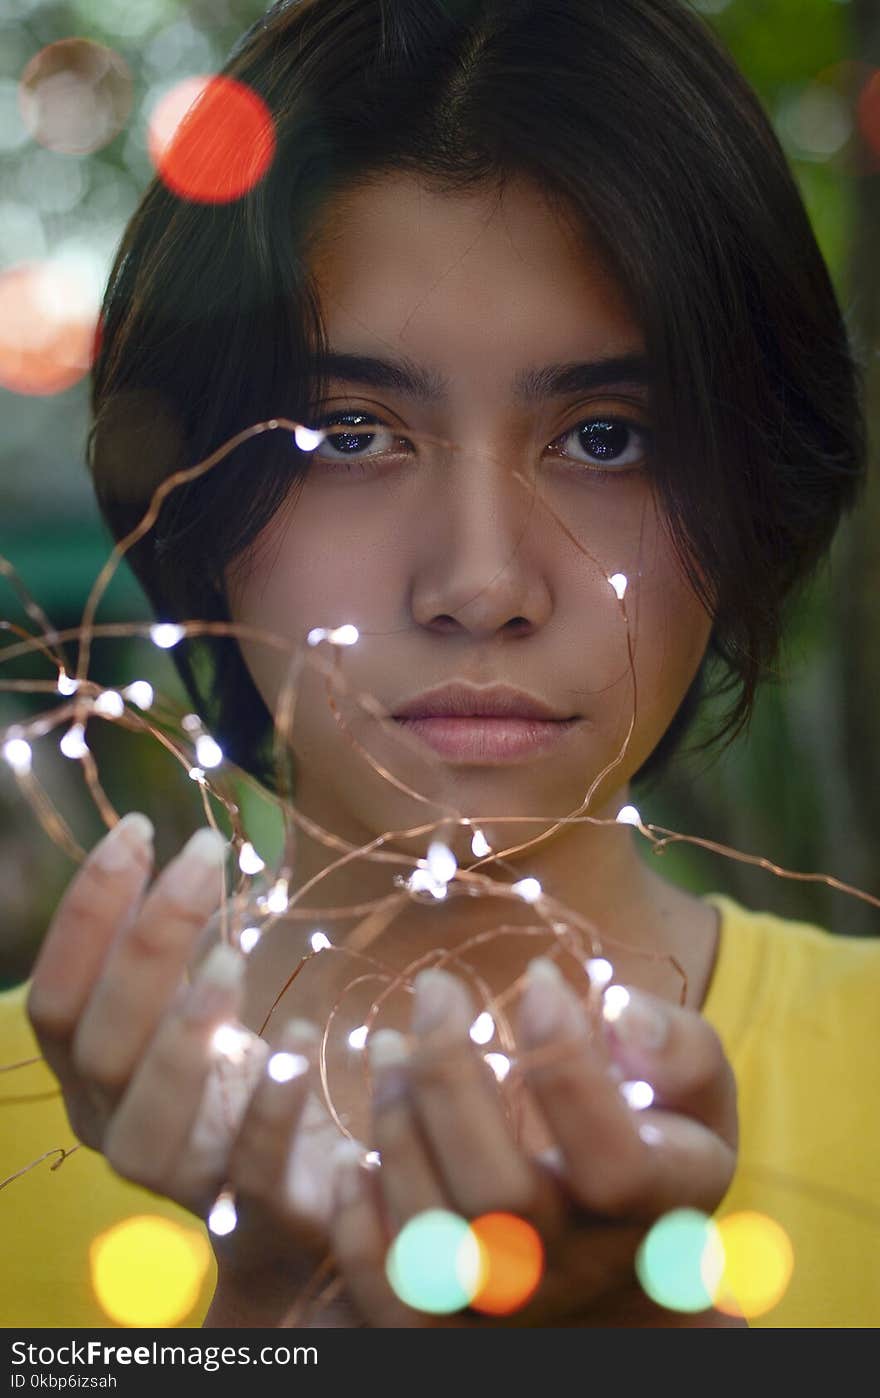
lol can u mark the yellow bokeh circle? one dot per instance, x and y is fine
(758, 1263)
(148, 1270)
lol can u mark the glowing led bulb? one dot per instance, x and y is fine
(191, 723)
(109, 703)
(166, 634)
(277, 900)
(499, 1063)
(628, 815)
(480, 845)
(209, 753)
(66, 685)
(483, 1028)
(306, 439)
(74, 744)
(319, 941)
(249, 862)
(282, 1067)
(18, 754)
(344, 636)
(248, 938)
(358, 1037)
(529, 889)
(140, 693)
(317, 633)
(422, 880)
(372, 1158)
(231, 1042)
(619, 581)
(197, 774)
(637, 1094)
(223, 1216)
(599, 971)
(614, 1002)
(442, 863)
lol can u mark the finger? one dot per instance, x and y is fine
(693, 1167)
(678, 1052)
(461, 1112)
(607, 1166)
(360, 1243)
(260, 1170)
(148, 1136)
(407, 1180)
(100, 897)
(145, 964)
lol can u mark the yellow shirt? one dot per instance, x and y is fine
(798, 1012)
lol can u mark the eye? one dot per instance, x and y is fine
(364, 438)
(608, 443)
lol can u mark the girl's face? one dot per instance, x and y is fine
(450, 566)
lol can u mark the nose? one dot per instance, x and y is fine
(481, 570)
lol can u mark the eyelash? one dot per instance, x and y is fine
(364, 421)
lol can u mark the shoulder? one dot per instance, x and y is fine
(790, 973)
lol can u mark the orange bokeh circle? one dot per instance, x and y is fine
(511, 1263)
(211, 139)
(48, 330)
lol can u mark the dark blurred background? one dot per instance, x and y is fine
(801, 789)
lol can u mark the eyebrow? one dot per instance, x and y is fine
(529, 385)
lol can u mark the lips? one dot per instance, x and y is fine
(485, 740)
(459, 700)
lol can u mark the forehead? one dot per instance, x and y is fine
(454, 278)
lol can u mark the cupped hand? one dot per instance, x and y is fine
(445, 1142)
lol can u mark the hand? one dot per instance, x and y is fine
(445, 1142)
(131, 1043)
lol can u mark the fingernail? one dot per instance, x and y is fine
(219, 974)
(190, 874)
(635, 1019)
(542, 1006)
(435, 1002)
(119, 847)
(388, 1054)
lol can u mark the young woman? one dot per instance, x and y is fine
(539, 274)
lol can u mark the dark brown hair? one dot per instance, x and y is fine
(637, 124)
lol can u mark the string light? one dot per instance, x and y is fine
(277, 900)
(619, 582)
(209, 753)
(358, 1037)
(66, 685)
(166, 634)
(19, 755)
(628, 815)
(442, 863)
(482, 1030)
(109, 703)
(249, 862)
(599, 970)
(480, 845)
(499, 1063)
(74, 744)
(319, 941)
(528, 889)
(197, 774)
(140, 692)
(248, 938)
(231, 1042)
(223, 1216)
(614, 1002)
(638, 1094)
(283, 1067)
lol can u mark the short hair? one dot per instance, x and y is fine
(637, 125)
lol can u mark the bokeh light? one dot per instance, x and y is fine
(434, 1263)
(48, 325)
(148, 1270)
(680, 1260)
(511, 1263)
(758, 1264)
(211, 139)
(75, 96)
